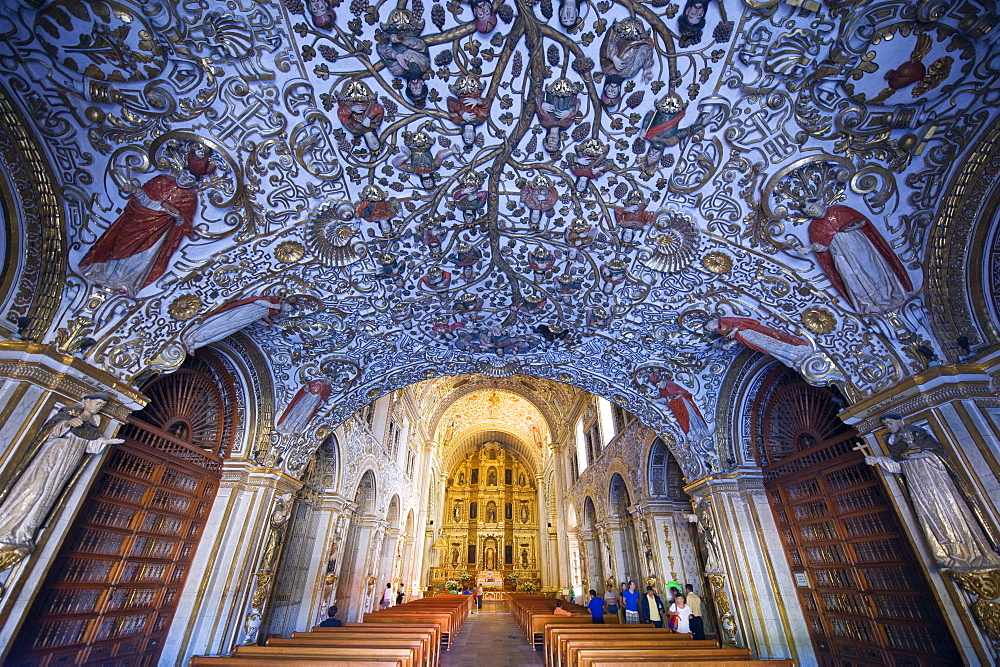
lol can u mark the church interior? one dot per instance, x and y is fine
(304, 301)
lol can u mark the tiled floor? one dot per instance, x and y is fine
(490, 638)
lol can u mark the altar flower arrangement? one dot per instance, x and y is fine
(466, 578)
(527, 587)
(451, 585)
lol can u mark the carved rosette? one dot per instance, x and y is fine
(985, 585)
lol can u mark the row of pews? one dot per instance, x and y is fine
(407, 635)
(571, 641)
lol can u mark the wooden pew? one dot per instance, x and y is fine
(406, 654)
(420, 644)
(684, 662)
(590, 657)
(432, 630)
(445, 621)
(537, 622)
(557, 638)
(315, 656)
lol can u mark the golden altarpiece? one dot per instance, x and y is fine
(490, 534)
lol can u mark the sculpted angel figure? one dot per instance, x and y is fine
(855, 257)
(590, 160)
(376, 207)
(468, 109)
(539, 196)
(361, 114)
(405, 53)
(692, 22)
(557, 109)
(136, 249)
(627, 49)
(321, 13)
(418, 159)
(949, 524)
(786, 348)
(632, 217)
(486, 18)
(469, 196)
(66, 438)
(662, 129)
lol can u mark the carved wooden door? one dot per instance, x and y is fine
(863, 592)
(112, 591)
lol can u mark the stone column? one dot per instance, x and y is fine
(958, 405)
(224, 599)
(753, 593)
(35, 381)
(557, 533)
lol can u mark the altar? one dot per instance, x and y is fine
(488, 580)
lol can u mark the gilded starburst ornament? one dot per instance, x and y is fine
(819, 320)
(289, 251)
(184, 307)
(717, 262)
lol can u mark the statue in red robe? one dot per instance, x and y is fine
(303, 407)
(855, 257)
(680, 402)
(786, 348)
(136, 249)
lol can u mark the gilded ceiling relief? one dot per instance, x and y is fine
(592, 192)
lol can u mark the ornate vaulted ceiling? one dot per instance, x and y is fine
(573, 190)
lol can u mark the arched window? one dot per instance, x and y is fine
(665, 479)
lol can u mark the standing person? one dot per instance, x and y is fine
(386, 597)
(479, 596)
(682, 612)
(697, 622)
(331, 622)
(596, 607)
(630, 598)
(621, 602)
(611, 601)
(399, 595)
(652, 608)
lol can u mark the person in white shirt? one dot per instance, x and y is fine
(683, 613)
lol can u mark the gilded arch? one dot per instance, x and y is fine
(35, 265)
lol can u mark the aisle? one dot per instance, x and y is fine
(491, 638)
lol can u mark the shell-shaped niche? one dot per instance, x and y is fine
(333, 234)
(675, 240)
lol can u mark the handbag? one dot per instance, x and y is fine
(674, 621)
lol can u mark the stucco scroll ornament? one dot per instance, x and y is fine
(64, 441)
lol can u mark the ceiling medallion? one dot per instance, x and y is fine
(184, 307)
(675, 242)
(289, 251)
(717, 262)
(819, 320)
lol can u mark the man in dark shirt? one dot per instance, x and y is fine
(331, 622)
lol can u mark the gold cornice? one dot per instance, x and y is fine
(42, 364)
(948, 383)
(48, 259)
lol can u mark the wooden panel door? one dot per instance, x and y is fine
(112, 591)
(862, 589)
